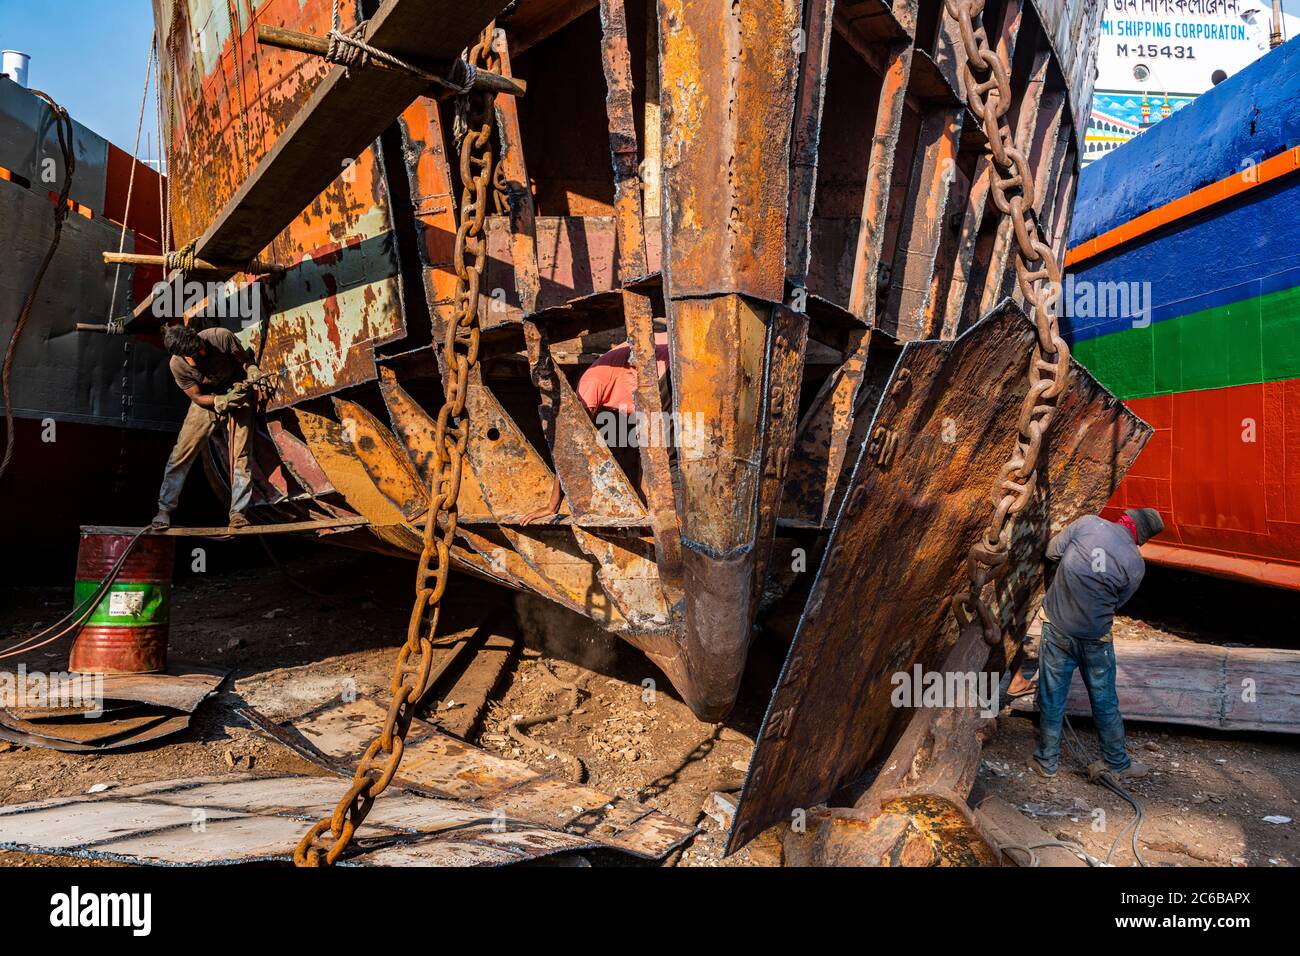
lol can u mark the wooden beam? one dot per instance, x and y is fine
(286, 39)
(1205, 685)
(323, 524)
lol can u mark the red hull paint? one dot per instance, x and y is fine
(1231, 505)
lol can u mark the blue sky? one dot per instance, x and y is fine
(90, 56)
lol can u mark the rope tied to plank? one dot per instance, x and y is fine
(351, 50)
(181, 259)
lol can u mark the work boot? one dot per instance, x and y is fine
(1021, 686)
(161, 521)
(237, 520)
(1039, 769)
(1136, 770)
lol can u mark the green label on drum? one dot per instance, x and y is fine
(126, 604)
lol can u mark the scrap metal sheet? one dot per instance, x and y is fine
(918, 499)
(181, 686)
(87, 713)
(443, 767)
(248, 819)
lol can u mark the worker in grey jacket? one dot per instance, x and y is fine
(1099, 568)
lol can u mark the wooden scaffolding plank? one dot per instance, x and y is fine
(1178, 682)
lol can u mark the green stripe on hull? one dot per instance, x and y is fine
(1255, 340)
(127, 604)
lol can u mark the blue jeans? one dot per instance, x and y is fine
(1058, 656)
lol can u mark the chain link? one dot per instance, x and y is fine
(328, 838)
(1038, 276)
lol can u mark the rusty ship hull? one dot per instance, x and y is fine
(90, 411)
(797, 193)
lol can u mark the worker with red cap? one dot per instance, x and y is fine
(1099, 568)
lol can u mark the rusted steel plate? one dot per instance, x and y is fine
(498, 557)
(338, 460)
(557, 556)
(442, 766)
(329, 312)
(727, 80)
(297, 459)
(823, 439)
(656, 469)
(576, 256)
(513, 174)
(1073, 28)
(977, 201)
(616, 58)
(917, 499)
(383, 458)
(226, 104)
(593, 481)
(433, 201)
(512, 476)
(415, 429)
(85, 735)
(132, 709)
(342, 115)
(646, 597)
(628, 575)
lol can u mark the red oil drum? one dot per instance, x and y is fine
(127, 632)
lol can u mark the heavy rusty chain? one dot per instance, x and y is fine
(1038, 274)
(328, 838)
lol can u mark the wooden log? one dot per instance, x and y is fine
(254, 267)
(287, 39)
(323, 524)
(1007, 826)
(1205, 685)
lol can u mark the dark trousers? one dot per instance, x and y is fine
(1058, 656)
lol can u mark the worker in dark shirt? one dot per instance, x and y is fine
(217, 375)
(1100, 567)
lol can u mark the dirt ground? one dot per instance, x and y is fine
(288, 649)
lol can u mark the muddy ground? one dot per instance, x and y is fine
(289, 649)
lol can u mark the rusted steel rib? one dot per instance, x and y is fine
(383, 458)
(982, 180)
(884, 145)
(638, 315)
(998, 280)
(818, 26)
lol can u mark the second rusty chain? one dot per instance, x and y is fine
(988, 92)
(328, 838)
